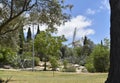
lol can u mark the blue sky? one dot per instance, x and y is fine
(90, 18)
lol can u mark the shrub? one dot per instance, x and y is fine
(70, 69)
(90, 67)
(54, 63)
(25, 60)
(7, 56)
(98, 60)
(101, 61)
(37, 60)
(65, 63)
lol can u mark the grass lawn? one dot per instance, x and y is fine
(47, 77)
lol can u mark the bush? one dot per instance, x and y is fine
(65, 63)
(25, 60)
(7, 56)
(37, 60)
(89, 64)
(54, 63)
(90, 67)
(70, 69)
(101, 61)
(98, 61)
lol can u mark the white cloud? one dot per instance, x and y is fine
(90, 11)
(81, 23)
(105, 4)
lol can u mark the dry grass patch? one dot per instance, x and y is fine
(47, 77)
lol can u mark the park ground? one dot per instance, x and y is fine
(47, 77)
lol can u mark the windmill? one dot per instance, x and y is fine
(75, 42)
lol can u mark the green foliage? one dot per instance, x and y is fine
(70, 69)
(98, 60)
(49, 12)
(47, 45)
(63, 51)
(87, 48)
(65, 63)
(89, 64)
(7, 56)
(54, 62)
(25, 60)
(37, 60)
(106, 43)
(21, 40)
(81, 52)
(101, 59)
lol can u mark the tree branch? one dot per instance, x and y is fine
(10, 30)
(11, 13)
(25, 4)
(26, 7)
(9, 20)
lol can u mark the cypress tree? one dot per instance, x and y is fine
(21, 40)
(29, 35)
(85, 42)
(38, 31)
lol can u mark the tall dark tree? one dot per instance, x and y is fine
(114, 71)
(101, 43)
(21, 40)
(29, 35)
(85, 42)
(86, 46)
(63, 51)
(38, 31)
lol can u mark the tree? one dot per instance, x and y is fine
(11, 10)
(38, 31)
(7, 56)
(54, 63)
(107, 43)
(63, 51)
(88, 45)
(21, 40)
(49, 12)
(98, 60)
(87, 48)
(114, 71)
(29, 35)
(101, 58)
(47, 45)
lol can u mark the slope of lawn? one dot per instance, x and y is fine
(47, 77)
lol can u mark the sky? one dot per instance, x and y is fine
(92, 19)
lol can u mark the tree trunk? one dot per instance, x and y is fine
(114, 71)
(45, 65)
